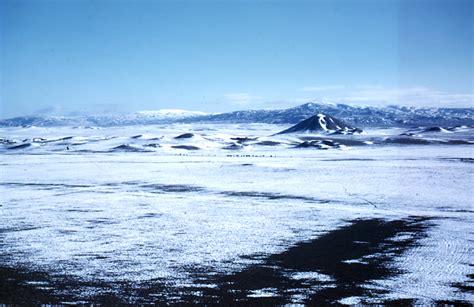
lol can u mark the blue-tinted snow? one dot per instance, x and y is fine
(72, 204)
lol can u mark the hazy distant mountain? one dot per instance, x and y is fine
(169, 113)
(138, 118)
(359, 116)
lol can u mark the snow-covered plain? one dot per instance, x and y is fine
(136, 204)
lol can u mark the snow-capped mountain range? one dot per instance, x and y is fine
(170, 113)
(359, 116)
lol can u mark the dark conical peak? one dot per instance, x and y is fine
(322, 123)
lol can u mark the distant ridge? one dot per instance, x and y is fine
(360, 116)
(322, 123)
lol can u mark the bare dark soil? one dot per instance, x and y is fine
(349, 257)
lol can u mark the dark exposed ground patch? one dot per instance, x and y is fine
(272, 196)
(457, 303)
(26, 227)
(465, 160)
(233, 147)
(21, 146)
(459, 142)
(187, 147)
(150, 215)
(6, 141)
(171, 188)
(66, 138)
(154, 145)
(127, 148)
(406, 141)
(46, 186)
(434, 129)
(155, 188)
(184, 188)
(117, 184)
(449, 209)
(370, 240)
(19, 286)
(324, 144)
(342, 141)
(101, 221)
(184, 136)
(467, 286)
(326, 255)
(243, 139)
(268, 143)
(420, 141)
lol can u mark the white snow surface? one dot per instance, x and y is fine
(100, 214)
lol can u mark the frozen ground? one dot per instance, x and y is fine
(136, 215)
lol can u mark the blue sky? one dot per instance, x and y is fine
(101, 56)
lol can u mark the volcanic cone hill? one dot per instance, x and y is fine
(322, 123)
